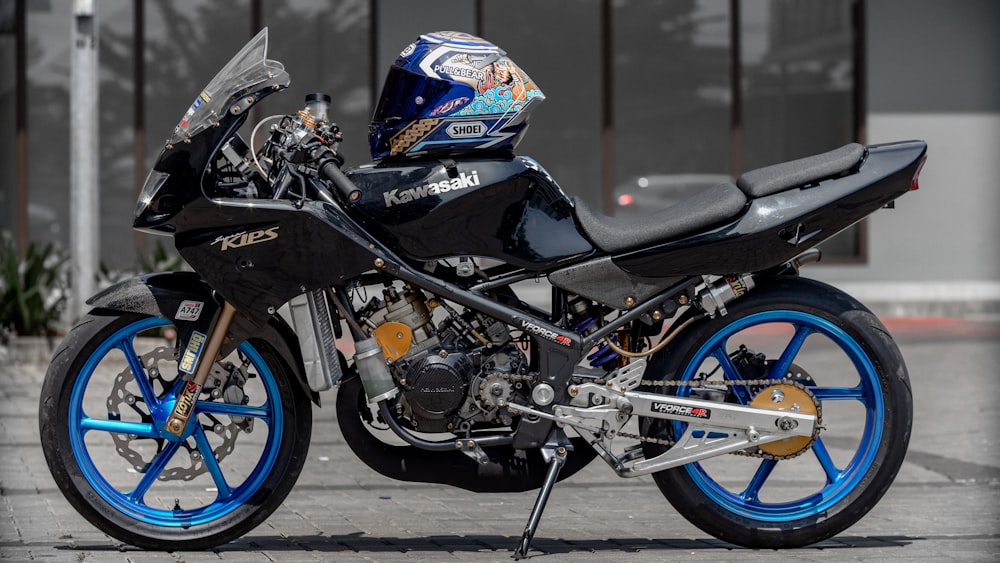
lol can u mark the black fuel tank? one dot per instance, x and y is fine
(507, 209)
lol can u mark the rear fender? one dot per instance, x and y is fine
(191, 305)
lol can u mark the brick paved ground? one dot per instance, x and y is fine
(945, 503)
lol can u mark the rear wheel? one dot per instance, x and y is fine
(104, 405)
(826, 346)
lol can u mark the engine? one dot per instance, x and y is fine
(454, 375)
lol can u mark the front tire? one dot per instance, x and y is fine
(831, 344)
(103, 407)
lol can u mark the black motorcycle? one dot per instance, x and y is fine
(771, 410)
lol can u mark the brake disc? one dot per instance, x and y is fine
(121, 397)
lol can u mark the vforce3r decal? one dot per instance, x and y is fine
(681, 410)
(544, 333)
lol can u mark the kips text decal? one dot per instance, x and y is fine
(246, 238)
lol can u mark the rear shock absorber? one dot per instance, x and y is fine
(604, 353)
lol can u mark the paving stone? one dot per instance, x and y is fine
(945, 504)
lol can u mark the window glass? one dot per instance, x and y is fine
(797, 61)
(558, 44)
(400, 22)
(8, 133)
(48, 46)
(116, 134)
(325, 48)
(672, 101)
(187, 43)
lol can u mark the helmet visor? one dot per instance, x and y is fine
(408, 95)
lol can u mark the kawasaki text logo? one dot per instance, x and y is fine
(396, 197)
(681, 410)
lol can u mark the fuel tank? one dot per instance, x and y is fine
(509, 209)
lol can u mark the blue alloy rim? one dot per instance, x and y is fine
(130, 503)
(840, 481)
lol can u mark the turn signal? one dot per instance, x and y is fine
(915, 183)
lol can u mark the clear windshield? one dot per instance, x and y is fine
(250, 67)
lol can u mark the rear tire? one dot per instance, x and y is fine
(841, 352)
(101, 421)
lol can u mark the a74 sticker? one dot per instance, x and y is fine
(189, 310)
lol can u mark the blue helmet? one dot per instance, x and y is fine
(449, 93)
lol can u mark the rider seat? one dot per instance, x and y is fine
(708, 207)
(804, 171)
(715, 205)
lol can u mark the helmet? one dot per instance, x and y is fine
(449, 93)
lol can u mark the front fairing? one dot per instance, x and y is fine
(215, 115)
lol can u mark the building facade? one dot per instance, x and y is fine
(647, 100)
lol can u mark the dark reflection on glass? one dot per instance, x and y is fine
(672, 100)
(557, 44)
(187, 42)
(325, 48)
(798, 85)
(48, 52)
(400, 22)
(671, 95)
(8, 132)
(117, 134)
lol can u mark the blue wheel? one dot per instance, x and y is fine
(833, 354)
(105, 401)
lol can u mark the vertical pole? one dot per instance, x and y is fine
(256, 24)
(736, 88)
(84, 197)
(139, 104)
(21, 126)
(478, 15)
(373, 37)
(607, 109)
(859, 15)
(860, 71)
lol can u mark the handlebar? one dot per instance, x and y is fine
(329, 169)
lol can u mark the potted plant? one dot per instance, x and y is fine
(32, 297)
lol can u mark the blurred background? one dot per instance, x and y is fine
(648, 100)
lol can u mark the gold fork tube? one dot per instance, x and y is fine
(184, 407)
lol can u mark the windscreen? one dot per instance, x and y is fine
(248, 68)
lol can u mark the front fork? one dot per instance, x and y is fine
(203, 359)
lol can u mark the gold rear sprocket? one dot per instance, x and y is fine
(790, 397)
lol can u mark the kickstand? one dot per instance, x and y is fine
(556, 455)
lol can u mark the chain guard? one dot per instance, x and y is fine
(121, 397)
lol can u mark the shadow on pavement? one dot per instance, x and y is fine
(360, 543)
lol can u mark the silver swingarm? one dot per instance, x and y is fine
(713, 428)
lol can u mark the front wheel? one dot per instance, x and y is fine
(104, 403)
(830, 353)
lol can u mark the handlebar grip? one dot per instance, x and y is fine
(330, 170)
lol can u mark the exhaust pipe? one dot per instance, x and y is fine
(506, 471)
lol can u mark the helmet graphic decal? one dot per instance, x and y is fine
(451, 92)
